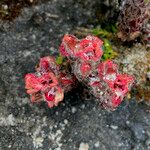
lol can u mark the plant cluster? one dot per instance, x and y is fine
(133, 17)
(49, 82)
(52, 78)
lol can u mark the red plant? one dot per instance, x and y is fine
(48, 82)
(86, 49)
(67, 46)
(51, 80)
(108, 71)
(85, 69)
(89, 49)
(102, 78)
(45, 85)
(47, 64)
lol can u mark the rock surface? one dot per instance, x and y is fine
(35, 33)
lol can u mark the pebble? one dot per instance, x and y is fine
(58, 148)
(73, 110)
(59, 132)
(56, 113)
(70, 140)
(31, 1)
(66, 121)
(97, 144)
(127, 122)
(84, 146)
(114, 127)
(83, 106)
(5, 7)
(33, 37)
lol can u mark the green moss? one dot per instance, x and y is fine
(109, 53)
(101, 32)
(106, 34)
(59, 60)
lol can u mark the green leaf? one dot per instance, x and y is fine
(59, 60)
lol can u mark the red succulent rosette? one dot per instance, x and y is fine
(111, 100)
(119, 88)
(89, 49)
(44, 85)
(49, 82)
(53, 96)
(122, 84)
(118, 85)
(47, 64)
(68, 45)
(85, 69)
(108, 71)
